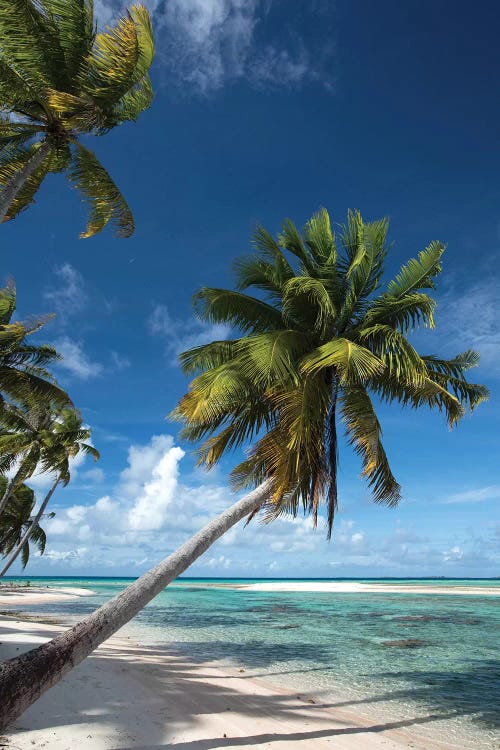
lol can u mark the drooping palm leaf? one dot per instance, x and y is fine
(311, 354)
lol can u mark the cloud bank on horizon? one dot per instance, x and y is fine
(153, 509)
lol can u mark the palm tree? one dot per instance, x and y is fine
(59, 81)
(64, 438)
(23, 378)
(17, 520)
(23, 373)
(317, 338)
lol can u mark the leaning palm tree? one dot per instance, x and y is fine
(24, 379)
(64, 438)
(26, 441)
(17, 520)
(59, 81)
(318, 337)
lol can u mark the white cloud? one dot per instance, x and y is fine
(475, 496)
(471, 317)
(149, 511)
(118, 361)
(205, 44)
(75, 360)
(68, 295)
(180, 335)
(94, 475)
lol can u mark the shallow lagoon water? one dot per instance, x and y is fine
(395, 656)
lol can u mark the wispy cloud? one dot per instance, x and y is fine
(180, 335)
(476, 495)
(205, 44)
(471, 316)
(75, 360)
(67, 294)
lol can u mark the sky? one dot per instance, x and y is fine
(267, 109)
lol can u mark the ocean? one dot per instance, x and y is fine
(352, 648)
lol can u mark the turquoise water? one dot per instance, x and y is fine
(336, 644)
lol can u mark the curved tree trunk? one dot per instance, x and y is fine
(13, 187)
(25, 539)
(9, 489)
(26, 677)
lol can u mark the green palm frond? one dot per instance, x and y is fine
(303, 293)
(312, 353)
(404, 313)
(73, 21)
(269, 250)
(320, 239)
(236, 309)
(364, 433)
(418, 274)
(26, 194)
(271, 358)
(7, 303)
(104, 200)
(207, 356)
(60, 79)
(351, 362)
(291, 239)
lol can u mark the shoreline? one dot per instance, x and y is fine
(348, 587)
(19, 595)
(127, 695)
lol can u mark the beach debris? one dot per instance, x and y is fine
(241, 670)
(406, 643)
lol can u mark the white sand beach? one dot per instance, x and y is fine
(354, 587)
(128, 696)
(28, 595)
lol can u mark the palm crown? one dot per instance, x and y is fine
(23, 372)
(16, 521)
(43, 438)
(319, 339)
(59, 80)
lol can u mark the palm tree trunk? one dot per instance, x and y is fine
(25, 678)
(25, 539)
(10, 488)
(13, 187)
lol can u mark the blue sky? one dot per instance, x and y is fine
(264, 110)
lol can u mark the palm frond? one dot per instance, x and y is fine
(418, 274)
(236, 309)
(320, 239)
(207, 356)
(73, 21)
(104, 200)
(304, 293)
(270, 358)
(364, 433)
(26, 195)
(351, 362)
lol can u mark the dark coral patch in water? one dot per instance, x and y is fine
(407, 643)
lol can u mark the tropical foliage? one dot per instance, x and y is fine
(46, 438)
(322, 338)
(17, 520)
(23, 366)
(60, 80)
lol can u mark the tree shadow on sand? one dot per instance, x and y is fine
(182, 695)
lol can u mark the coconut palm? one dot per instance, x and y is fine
(59, 81)
(16, 521)
(23, 366)
(63, 438)
(318, 338)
